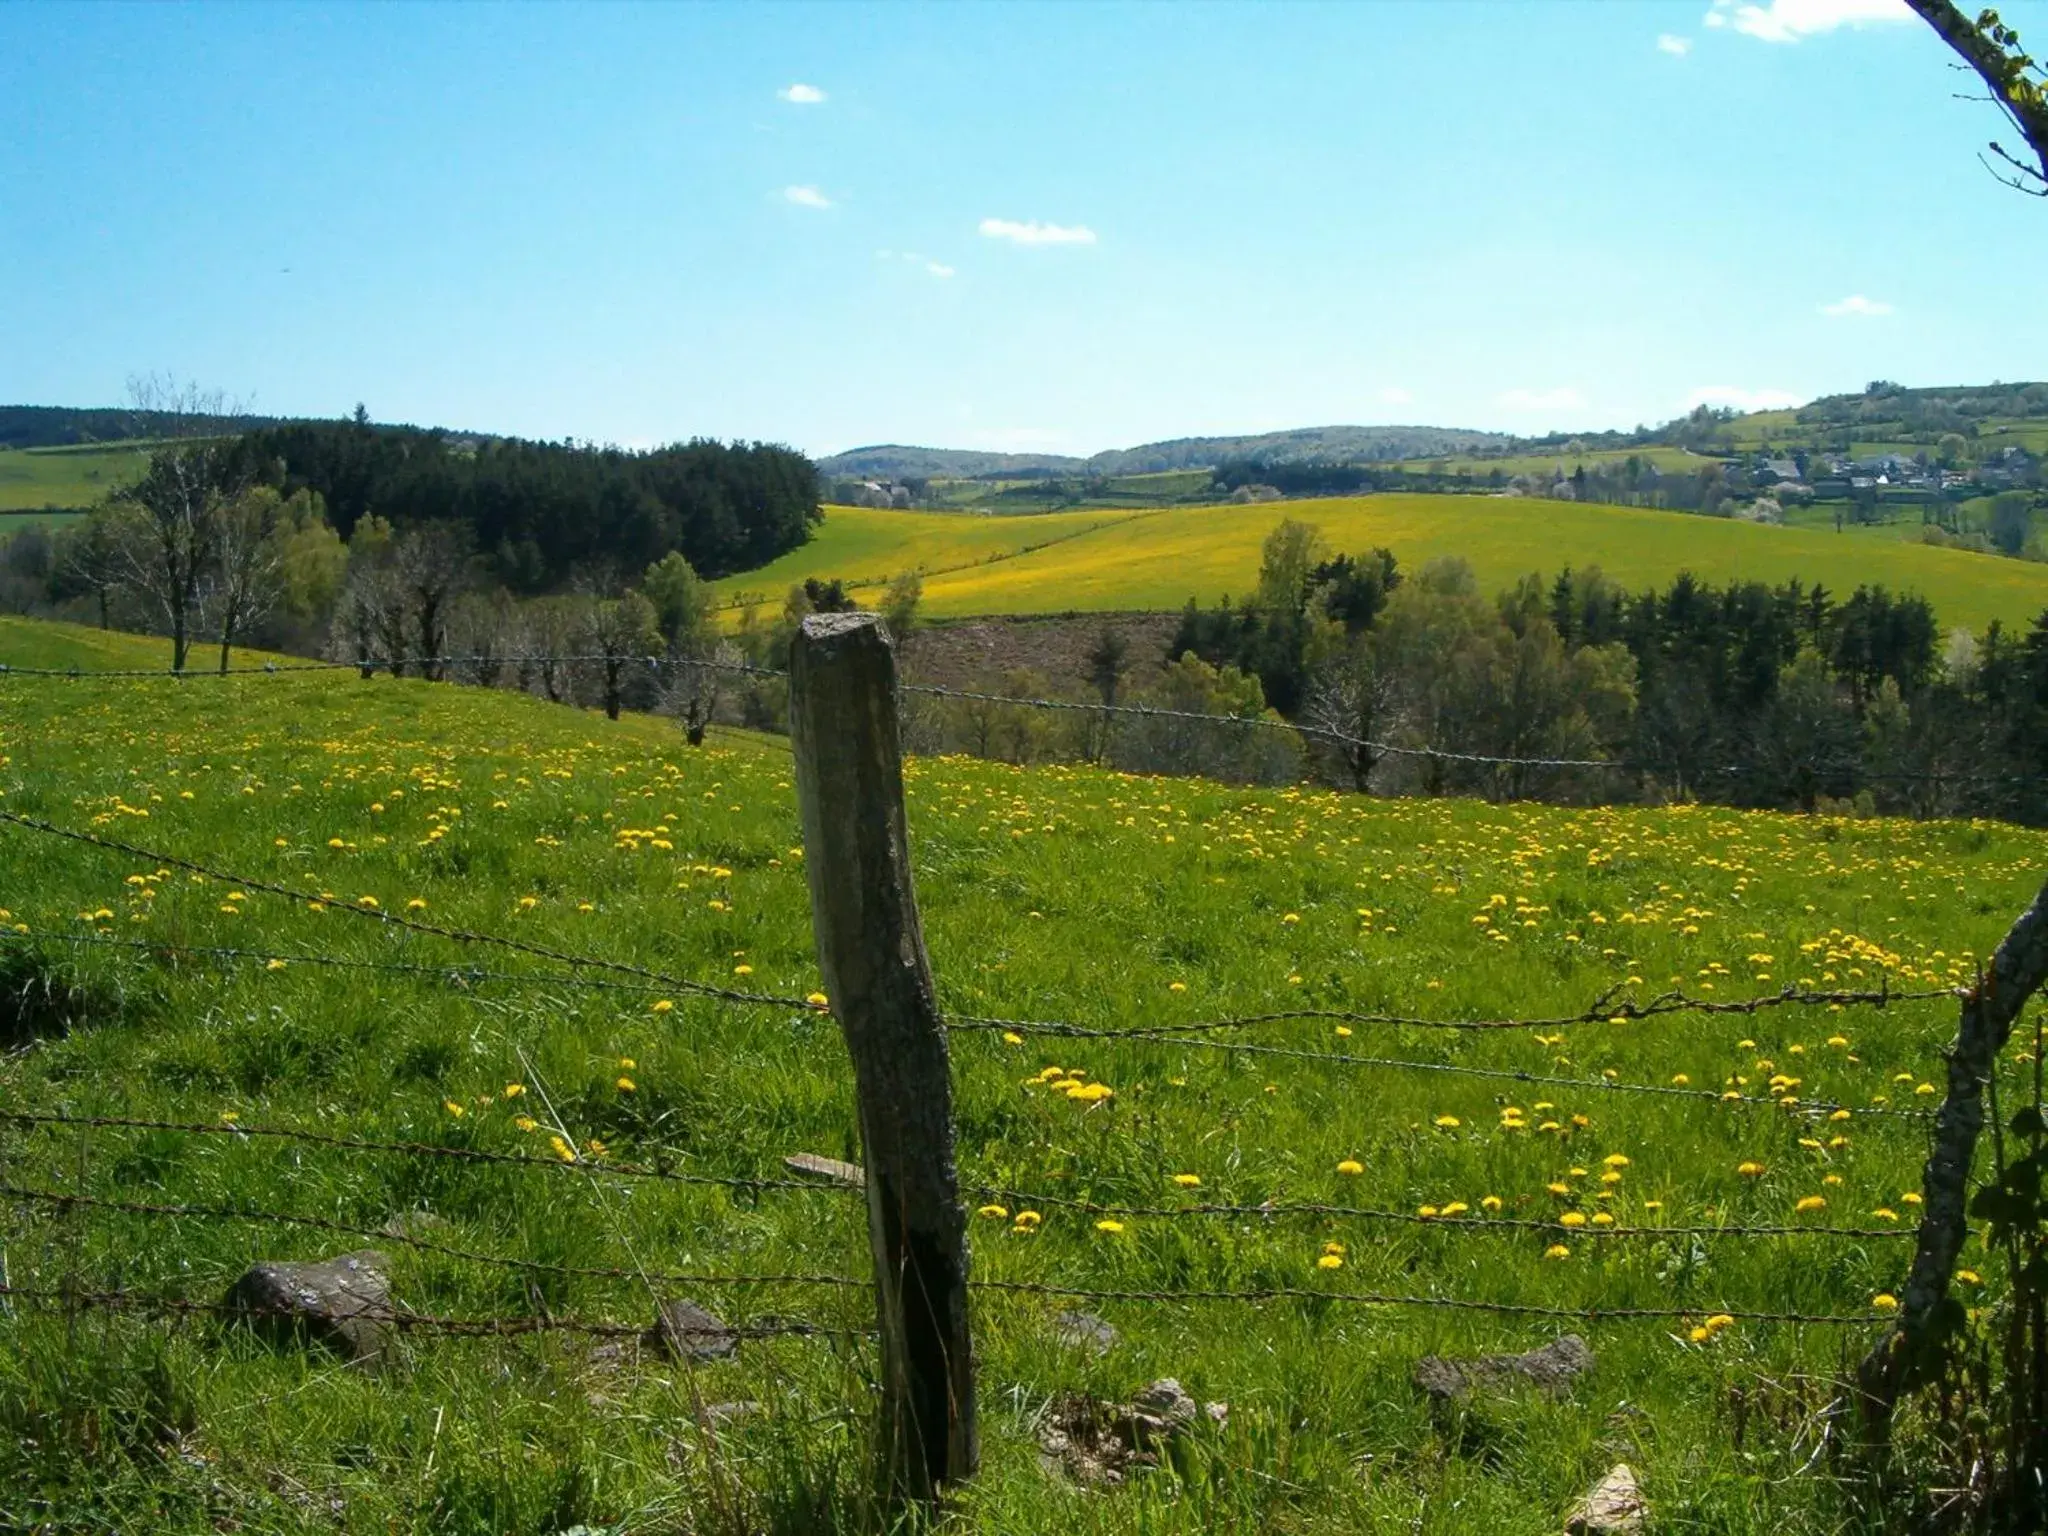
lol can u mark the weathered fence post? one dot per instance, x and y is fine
(849, 780)
(1911, 1348)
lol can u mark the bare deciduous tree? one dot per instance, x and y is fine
(164, 527)
(247, 577)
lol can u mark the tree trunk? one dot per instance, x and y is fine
(1912, 1351)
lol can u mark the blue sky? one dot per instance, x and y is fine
(1057, 227)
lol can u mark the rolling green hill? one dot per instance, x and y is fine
(1159, 560)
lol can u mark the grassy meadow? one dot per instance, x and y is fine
(1159, 560)
(33, 479)
(1048, 894)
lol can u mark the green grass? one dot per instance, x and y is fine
(1159, 560)
(32, 479)
(1047, 894)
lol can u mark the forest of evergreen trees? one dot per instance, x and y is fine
(542, 514)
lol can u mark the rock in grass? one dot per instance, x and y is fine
(1084, 1331)
(829, 1169)
(685, 1331)
(1099, 1444)
(1615, 1507)
(343, 1303)
(1554, 1368)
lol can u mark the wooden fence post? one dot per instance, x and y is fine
(849, 780)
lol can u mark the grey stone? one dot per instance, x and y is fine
(685, 1331)
(829, 1169)
(1554, 1368)
(343, 1302)
(1099, 1443)
(1615, 1507)
(1085, 1331)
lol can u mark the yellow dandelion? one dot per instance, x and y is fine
(1330, 1261)
(1351, 1167)
(1109, 1224)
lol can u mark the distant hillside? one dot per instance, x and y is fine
(1361, 445)
(1883, 411)
(894, 461)
(1301, 444)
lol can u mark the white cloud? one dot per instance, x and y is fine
(1673, 44)
(806, 197)
(1564, 398)
(1393, 394)
(1743, 399)
(938, 269)
(1031, 232)
(801, 95)
(1854, 305)
(1787, 21)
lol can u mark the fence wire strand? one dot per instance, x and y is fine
(63, 1298)
(1303, 729)
(414, 925)
(64, 1200)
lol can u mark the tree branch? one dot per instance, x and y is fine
(2021, 99)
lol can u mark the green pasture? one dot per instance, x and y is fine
(1049, 894)
(32, 479)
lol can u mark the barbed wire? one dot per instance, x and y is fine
(1305, 729)
(1382, 749)
(385, 664)
(1271, 1209)
(397, 920)
(1003, 1192)
(1383, 1299)
(465, 975)
(578, 1163)
(1509, 1074)
(1183, 1296)
(1604, 1010)
(122, 1300)
(64, 1200)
